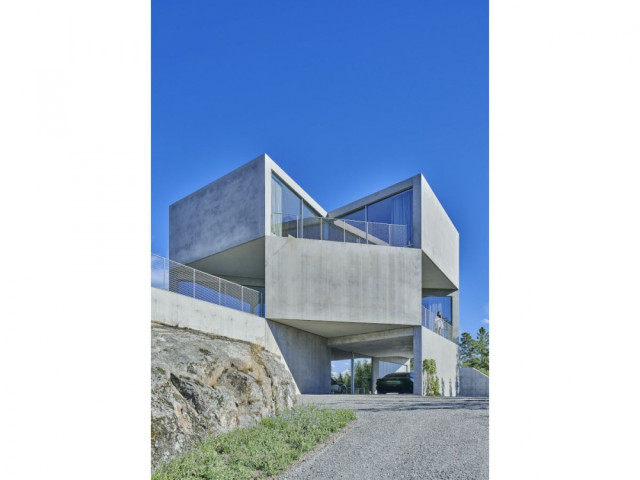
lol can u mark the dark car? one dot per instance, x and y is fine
(337, 387)
(400, 382)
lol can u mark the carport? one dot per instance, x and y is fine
(395, 346)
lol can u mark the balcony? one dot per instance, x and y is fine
(340, 230)
(440, 326)
(175, 277)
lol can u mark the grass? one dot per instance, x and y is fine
(257, 452)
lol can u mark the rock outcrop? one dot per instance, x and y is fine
(204, 385)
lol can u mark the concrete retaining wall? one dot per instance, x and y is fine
(181, 311)
(305, 355)
(473, 383)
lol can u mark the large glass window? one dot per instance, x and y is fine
(395, 210)
(356, 215)
(439, 304)
(311, 223)
(390, 220)
(290, 215)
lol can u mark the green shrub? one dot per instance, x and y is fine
(264, 450)
(431, 385)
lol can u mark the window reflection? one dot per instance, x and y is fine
(439, 304)
(290, 215)
(396, 211)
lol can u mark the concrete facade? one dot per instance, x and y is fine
(445, 353)
(233, 204)
(324, 300)
(342, 282)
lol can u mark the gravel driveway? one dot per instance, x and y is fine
(403, 437)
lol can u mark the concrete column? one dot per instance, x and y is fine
(417, 360)
(375, 373)
(455, 319)
(353, 375)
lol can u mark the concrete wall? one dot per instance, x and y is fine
(181, 311)
(455, 315)
(440, 239)
(221, 215)
(307, 356)
(334, 281)
(388, 367)
(473, 383)
(445, 353)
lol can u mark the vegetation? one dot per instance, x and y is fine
(362, 380)
(475, 353)
(431, 384)
(363, 376)
(257, 452)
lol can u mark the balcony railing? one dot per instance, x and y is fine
(340, 230)
(175, 277)
(440, 326)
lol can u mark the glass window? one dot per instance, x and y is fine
(397, 211)
(311, 223)
(355, 215)
(307, 211)
(283, 200)
(285, 209)
(439, 304)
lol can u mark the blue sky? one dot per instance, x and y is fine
(346, 97)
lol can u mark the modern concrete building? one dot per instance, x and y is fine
(364, 280)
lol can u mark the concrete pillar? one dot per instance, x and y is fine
(353, 375)
(375, 373)
(417, 360)
(455, 318)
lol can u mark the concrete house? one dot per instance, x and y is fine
(364, 280)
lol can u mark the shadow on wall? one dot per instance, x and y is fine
(307, 356)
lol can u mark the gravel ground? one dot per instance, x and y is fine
(403, 437)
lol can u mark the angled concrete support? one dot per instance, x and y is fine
(417, 361)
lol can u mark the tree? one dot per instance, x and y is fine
(475, 353)
(347, 381)
(363, 375)
(430, 382)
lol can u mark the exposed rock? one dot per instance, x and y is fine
(204, 385)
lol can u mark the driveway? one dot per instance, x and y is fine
(403, 437)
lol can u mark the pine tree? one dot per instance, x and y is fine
(475, 353)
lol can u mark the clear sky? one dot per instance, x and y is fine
(347, 97)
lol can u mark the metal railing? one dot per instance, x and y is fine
(440, 326)
(339, 230)
(175, 277)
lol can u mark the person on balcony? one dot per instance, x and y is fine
(439, 323)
